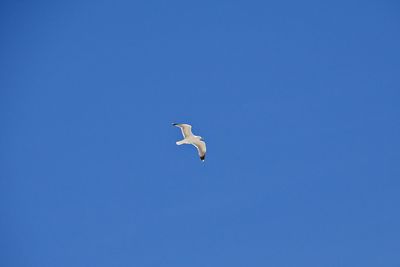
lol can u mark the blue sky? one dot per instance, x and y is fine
(298, 102)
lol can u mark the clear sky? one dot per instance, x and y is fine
(298, 102)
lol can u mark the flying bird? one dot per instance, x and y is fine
(190, 139)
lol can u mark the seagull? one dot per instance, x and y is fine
(190, 139)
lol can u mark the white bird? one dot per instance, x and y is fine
(190, 139)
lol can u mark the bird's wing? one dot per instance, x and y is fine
(201, 148)
(185, 128)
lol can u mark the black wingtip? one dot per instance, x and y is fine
(174, 124)
(203, 157)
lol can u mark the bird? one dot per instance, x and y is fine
(190, 139)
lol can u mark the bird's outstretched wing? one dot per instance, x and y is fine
(201, 148)
(185, 128)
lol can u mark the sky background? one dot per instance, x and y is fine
(298, 102)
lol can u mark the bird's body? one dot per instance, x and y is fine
(190, 139)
